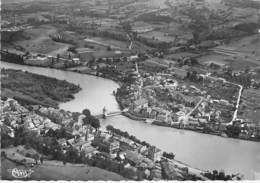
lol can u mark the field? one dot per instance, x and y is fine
(54, 170)
(35, 89)
(237, 63)
(247, 45)
(39, 41)
(250, 107)
(157, 35)
(238, 53)
(105, 42)
(51, 169)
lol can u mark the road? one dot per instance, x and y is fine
(238, 98)
(131, 42)
(198, 104)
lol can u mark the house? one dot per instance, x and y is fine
(154, 153)
(61, 19)
(180, 113)
(142, 149)
(140, 103)
(169, 173)
(77, 129)
(153, 114)
(202, 120)
(63, 143)
(133, 158)
(76, 60)
(132, 58)
(35, 107)
(88, 150)
(215, 65)
(38, 60)
(176, 49)
(107, 145)
(88, 135)
(163, 115)
(137, 160)
(189, 101)
(174, 117)
(224, 102)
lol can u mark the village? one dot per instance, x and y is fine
(77, 142)
(182, 99)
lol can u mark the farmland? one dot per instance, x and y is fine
(37, 40)
(250, 108)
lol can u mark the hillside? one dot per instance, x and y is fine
(54, 170)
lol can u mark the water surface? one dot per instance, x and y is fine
(202, 151)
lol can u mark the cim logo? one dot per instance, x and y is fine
(21, 173)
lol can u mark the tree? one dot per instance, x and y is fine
(110, 128)
(58, 57)
(75, 116)
(247, 69)
(86, 112)
(127, 26)
(94, 122)
(228, 71)
(72, 49)
(233, 131)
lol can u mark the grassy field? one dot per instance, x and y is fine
(110, 42)
(235, 63)
(39, 41)
(54, 170)
(245, 52)
(159, 36)
(247, 44)
(36, 89)
(250, 106)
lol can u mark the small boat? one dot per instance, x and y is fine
(149, 121)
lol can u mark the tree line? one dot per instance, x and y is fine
(125, 134)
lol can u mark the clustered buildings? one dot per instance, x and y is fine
(93, 143)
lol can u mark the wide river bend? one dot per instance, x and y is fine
(201, 151)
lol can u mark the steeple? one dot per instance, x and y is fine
(136, 67)
(104, 112)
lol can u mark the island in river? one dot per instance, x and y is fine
(30, 88)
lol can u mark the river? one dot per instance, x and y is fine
(207, 152)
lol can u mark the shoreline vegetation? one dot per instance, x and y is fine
(134, 117)
(162, 124)
(26, 147)
(8, 74)
(29, 88)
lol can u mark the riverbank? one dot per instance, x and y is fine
(95, 73)
(163, 124)
(181, 142)
(23, 149)
(158, 123)
(36, 89)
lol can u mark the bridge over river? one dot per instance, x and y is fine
(117, 113)
(199, 150)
